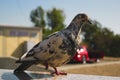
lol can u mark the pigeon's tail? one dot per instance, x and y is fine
(27, 60)
(23, 66)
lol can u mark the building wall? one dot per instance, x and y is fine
(1, 43)
(13, 40)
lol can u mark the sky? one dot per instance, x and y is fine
(17, 12)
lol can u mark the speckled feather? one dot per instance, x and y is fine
(60, 47)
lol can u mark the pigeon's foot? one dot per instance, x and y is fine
(57, 72)
(46, 66)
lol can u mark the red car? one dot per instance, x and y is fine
(83, 55)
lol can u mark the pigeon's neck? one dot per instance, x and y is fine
(75, 29)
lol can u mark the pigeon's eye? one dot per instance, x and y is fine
(80, 17)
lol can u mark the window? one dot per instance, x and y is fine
(18, 33)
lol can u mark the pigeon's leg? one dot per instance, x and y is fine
(46, 66)
(57, 72)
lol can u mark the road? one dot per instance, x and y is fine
(9, 63)
(7, 74)
(72, 66)
(31, 75)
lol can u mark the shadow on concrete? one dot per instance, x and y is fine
(20, 50)
(7, 63)
(24, 76)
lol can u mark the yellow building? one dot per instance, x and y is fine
(13, 40)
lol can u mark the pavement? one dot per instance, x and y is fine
(74, 66)
(6, 74)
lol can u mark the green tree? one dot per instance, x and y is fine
(55, 18)
(37, 17)
(90, 33)
(115, 46)
(101, 39)
(94, 37)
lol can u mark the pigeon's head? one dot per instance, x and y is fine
(81, 19)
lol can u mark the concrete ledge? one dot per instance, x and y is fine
(29, 75)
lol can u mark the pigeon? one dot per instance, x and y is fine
(56, 49)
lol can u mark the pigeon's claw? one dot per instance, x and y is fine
(57, 72)
(46, 66)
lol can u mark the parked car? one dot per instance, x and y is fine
(83, 55)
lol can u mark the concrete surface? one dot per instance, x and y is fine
(6, 74)
(73, 66)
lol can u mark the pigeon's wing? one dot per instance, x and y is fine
(49, 47)
(38, 48)
(30, 52)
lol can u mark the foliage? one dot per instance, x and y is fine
(37, 17)
(55, 18)
(101, 39)
(115, 46)
(48, 31)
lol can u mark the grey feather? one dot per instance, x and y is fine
(60, 47)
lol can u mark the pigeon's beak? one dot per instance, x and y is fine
(89, 21)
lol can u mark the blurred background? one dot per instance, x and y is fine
(23, 23)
